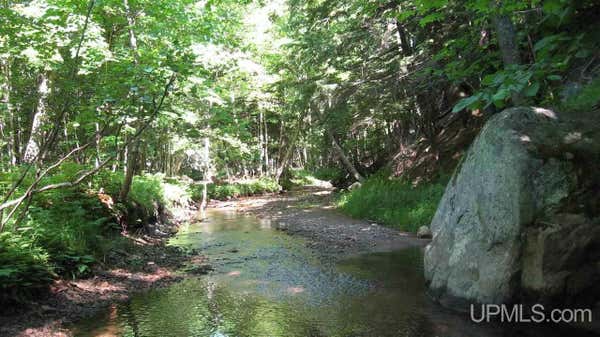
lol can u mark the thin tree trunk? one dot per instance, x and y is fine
(347, 163)
(266, 143)
(97, 141)
(509, 47)
(205, 178)
(131, 153)
(32, 149)
(130, 161)
(261, 143)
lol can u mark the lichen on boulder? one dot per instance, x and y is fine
(506, 229)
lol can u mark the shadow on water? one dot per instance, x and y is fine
(267, 283)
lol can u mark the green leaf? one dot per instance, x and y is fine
(583, 53)
(466, 102)
(532, 90)
(546, 42)
(430, 18)
(82, 268)
(500, 95)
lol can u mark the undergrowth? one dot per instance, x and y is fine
(66, 231)
(393, 202)
(237, 189)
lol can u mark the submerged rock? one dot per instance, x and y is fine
(500, 234)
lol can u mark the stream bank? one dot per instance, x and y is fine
(309, 212)
(145, 263)
(151, 263)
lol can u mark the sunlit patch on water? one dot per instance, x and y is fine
(266, 283)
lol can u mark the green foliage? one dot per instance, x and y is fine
(331, 174)
(550, 58)
(70, 224)
(22, 264)
(67, 230)
(237, 189)
(299, 177)
(586, 100)
(148, 191)
(394, 203)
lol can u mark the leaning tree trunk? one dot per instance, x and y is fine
(347, 163)
(32, 149)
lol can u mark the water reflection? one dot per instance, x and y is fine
(267, 283)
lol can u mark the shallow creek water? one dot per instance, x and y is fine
(267, 283)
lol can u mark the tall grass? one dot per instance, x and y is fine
(393, 202)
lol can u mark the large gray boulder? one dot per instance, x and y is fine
(498, 234)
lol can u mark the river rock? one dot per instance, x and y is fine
(424, 233)
(498, 235)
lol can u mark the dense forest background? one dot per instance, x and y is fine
(104, 102)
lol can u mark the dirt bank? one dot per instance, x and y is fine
(309, 212)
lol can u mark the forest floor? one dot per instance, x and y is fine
(310, 212)
(307, 212)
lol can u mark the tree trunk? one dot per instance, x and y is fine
(285, 159)
(403, 39)
(206, 178)
(266, 143)
(509, 47)
(32, 149)
(347, 163)
(130, 161)
(131, 153)
(261, 143)
(97, 141)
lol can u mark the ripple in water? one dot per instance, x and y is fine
(268, 284)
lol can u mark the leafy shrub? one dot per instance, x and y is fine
(329, 174)
(108, 181)
(586, 100)
(395, 203)
(22, 264)
(147, 191)
(67, 230)
(196, 191)
(69, 224)
(237, 189)
(176, 194)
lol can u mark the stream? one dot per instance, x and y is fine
(268, 283)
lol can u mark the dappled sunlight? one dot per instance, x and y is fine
(525, 138)
(545, 112)
(295, 290)
(572, 137)
(234, 273)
